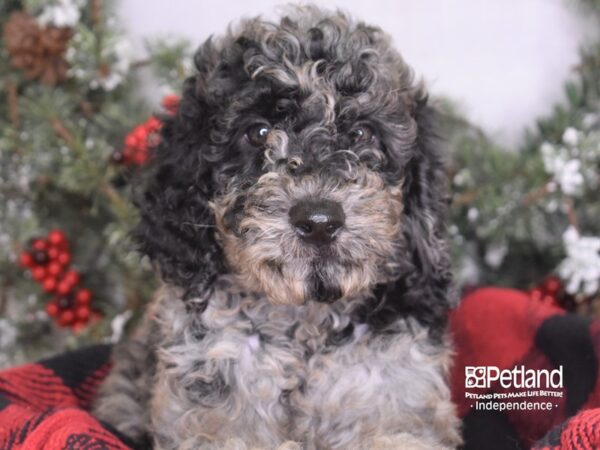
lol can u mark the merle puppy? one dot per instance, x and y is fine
(295, 211)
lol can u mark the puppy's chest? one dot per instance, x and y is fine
(245, 367)
(279, 353)
(257, 365)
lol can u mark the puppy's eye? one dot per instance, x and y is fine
(257, 134)
(362, 134)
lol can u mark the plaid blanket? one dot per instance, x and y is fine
(46, 405)
(509, 330)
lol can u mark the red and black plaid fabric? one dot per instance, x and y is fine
(46, 405)
(506, 329)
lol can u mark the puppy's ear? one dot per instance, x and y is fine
(176, 229)
(425, 177)
(422, 290)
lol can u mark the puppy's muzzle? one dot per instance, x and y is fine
(317, 222)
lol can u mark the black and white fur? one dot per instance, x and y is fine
(258, 340)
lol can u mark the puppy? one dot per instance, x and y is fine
(295, 211)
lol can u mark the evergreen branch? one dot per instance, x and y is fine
(111, 193)
(141, 63)
(13, 104)
(3, 298)
(61, 131)
(465, 198)
(571, 214)
(535, 195)
(121, 205)
(96, 12)
(87, 109)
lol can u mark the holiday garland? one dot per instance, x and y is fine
(68, 108)
(77, 136)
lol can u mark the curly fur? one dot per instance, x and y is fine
(259, 340)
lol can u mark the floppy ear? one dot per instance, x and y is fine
(176, 229)
(425, 179)
(423, 289)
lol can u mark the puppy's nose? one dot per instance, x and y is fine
(317, 222)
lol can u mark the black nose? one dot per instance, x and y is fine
(317, 222)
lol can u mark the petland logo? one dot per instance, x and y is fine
(517, 377)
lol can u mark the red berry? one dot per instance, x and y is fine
(140, 133)
(40, 257)
(83, 297)
(39, 244)
(72, 277)
(54, 268)
(66, 317)
(153, 139)
(78, 326)
(26, 260)
(64, 258)
(142, 147)
(128, 152)
(63, 288)
(130, 140)
(64, 302)
(140, 158)
(153, 124)
(83, 312)
(49, 284)
(170, 103)
(136, 139)
(53, 253)
(56, 238)
(52, 309)
(38, 273)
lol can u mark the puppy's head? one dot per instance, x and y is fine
(301, 160)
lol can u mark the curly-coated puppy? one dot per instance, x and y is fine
(295, 211)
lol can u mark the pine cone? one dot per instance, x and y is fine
(38, 51)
